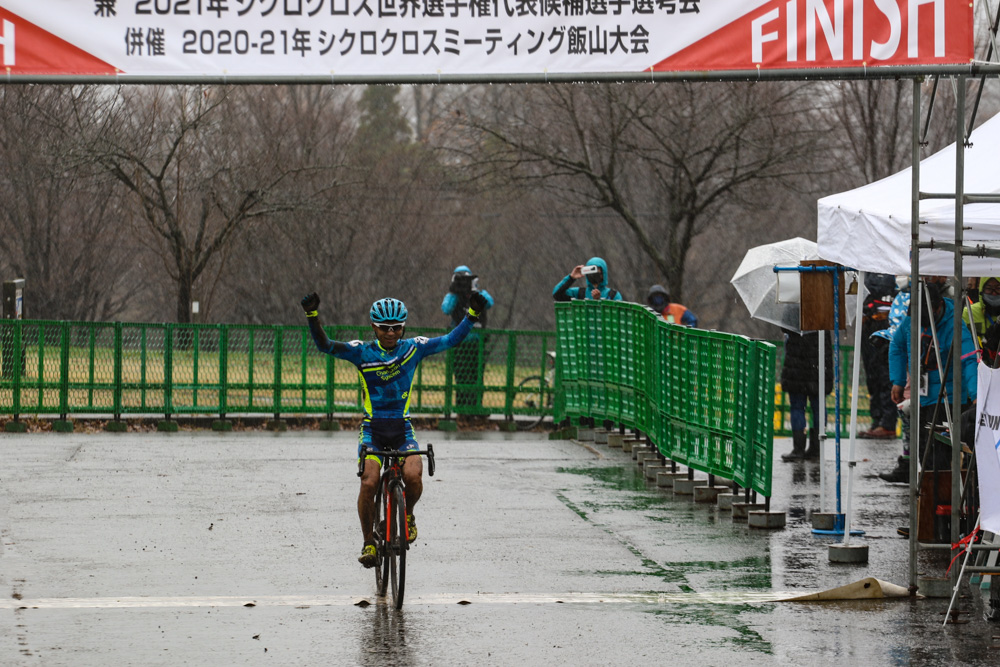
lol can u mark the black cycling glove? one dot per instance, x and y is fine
(310, 304)
(477, 304)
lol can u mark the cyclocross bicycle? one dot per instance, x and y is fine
(535, 393)
(390, 532)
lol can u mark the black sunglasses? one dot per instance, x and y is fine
(389, 328)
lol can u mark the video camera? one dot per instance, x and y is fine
(461, 283)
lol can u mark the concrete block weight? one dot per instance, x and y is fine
(665, 480)
(934, 587)
(685, 486)
(167, 426)
(826, 520)
(648, 458)
(116, 426)
(708, 494)
(848, 553)
(766, 520)
(641, 449)
(724, 501)
(652, 472)
(62, 426)
(742, 510)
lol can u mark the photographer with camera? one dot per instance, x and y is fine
(596, 272)
(469, 359)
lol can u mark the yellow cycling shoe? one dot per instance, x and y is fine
(411, 528)
(368, 556)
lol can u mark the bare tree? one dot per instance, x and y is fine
(375, 234)
(871, 123)
(668, 161)
(60, 226)
(200, 166)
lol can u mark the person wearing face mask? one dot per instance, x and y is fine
(928, 386)
(986, 317)
(659, 300)
(875, 355)
(596, 272)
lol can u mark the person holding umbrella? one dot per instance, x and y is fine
(800, 380)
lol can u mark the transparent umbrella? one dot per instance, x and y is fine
(757, 283)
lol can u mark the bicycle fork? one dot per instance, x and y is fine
(390, 507)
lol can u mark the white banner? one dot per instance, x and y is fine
(988, 447)
(163, 38)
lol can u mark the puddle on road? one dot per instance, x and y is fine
(748, 576)
(748, 571)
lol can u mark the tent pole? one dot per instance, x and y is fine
(838, 522)
(822, 420)
(956, 340)
(855, 380)
(914, 325)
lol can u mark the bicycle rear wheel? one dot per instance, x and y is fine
(532, 393)
(398, 546)
(378, 535)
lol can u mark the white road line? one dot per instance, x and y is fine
(722, 598)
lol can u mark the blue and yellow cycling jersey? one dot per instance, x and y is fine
(387, 375)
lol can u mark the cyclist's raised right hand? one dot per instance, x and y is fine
(310, 302)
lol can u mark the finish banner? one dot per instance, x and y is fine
(358, 38)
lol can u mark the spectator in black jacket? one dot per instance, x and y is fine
(800, 380)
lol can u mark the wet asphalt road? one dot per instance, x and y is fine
(199, 548)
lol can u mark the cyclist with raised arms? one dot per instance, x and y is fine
(387, 367)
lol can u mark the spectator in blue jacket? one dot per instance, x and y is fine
(928, 386)
(469, 357)
(596, 272)
(897, 312)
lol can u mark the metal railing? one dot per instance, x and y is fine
(705, 399)
(116, 368)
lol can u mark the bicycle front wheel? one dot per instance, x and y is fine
(532, 393)
(398, 546)
(378, 535)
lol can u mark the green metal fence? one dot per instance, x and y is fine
(115, 368)
(704, 398)
(112, 369)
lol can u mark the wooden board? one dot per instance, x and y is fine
(817, 297)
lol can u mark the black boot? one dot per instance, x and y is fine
(798, 447)
(812, 453)
(901, 473)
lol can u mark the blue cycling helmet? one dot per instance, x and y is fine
(388, 311)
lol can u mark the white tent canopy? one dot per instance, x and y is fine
(868, 228)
